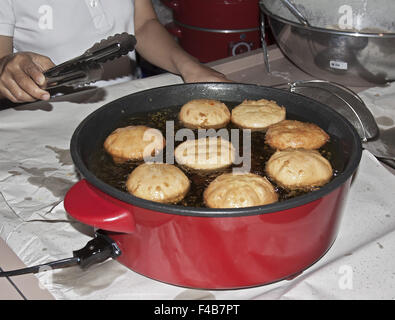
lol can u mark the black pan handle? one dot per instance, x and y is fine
(95, 251)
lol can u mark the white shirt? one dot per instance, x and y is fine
(64, 29)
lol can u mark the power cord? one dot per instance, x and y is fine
(95, 251)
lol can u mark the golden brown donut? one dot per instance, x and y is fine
(298, 169)
(158, 182)
(295, 134)
(239, 190)
(134, 143)
(257, 114)
(204, 114)
(205, 154)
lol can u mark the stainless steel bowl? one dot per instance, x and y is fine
(351, 42)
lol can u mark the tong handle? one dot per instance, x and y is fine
(86, 74)
(108, 49)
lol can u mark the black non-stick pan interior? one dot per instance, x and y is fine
(91, 133)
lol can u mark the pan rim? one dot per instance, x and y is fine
(175, 209)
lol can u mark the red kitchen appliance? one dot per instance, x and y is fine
(215, 29)
(201, 247)
(213, 248)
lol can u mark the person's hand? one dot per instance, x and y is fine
(202, 73)
(22, 78)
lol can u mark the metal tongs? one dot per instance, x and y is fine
(87, 68)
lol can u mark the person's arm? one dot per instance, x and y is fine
(5, 46)
(158, 47)
(21, 74)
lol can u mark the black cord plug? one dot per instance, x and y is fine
(96, 250)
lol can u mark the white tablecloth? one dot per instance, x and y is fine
(36, 171)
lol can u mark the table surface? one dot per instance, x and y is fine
(36, 171)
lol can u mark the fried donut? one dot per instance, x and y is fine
(257, 115)
(158, 182)
(204, 114)
(239, 190)
(295, 134)
(205, 154)
(134, 143)
(298, 169)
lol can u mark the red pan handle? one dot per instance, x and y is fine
(93, 207)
